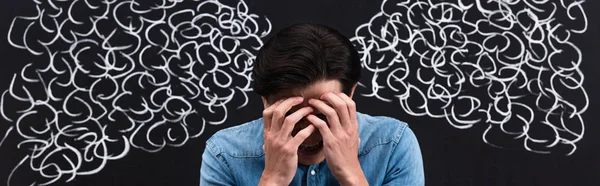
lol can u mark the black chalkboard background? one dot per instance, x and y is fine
(452, 156)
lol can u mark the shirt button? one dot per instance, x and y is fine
(312, 172)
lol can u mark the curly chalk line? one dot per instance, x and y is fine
(112, 75)
(509, 65)
(115, 75)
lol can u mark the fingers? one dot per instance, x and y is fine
(340, 107)
(280, 111)
(302, 135)
(291, 120)
(351, 107)
(332, 117)
(321, 125)
(268, 114)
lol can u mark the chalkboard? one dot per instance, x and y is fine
(126, 92)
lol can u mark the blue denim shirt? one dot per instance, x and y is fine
(389, 154)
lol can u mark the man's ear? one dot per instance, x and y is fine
(352, 91)
(265, 102)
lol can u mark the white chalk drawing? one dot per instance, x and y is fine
(111, 75)
(507, 64)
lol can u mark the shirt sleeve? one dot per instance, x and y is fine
(214, 169)
(406, 163)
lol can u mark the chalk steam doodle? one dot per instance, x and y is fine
(109, 76)
(114, 75)
(509, 65)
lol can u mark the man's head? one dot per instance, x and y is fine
(306, 60)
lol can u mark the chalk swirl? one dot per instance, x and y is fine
(112, 75)
(510, 65)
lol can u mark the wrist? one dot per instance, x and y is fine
(270, 180)
(352, 177)
(349, 182)
(353, 180)
(266, 182)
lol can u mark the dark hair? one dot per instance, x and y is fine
(302, 54)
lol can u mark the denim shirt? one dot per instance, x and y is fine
(389, 154)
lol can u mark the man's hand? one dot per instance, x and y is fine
(340, 138)
(281, 158)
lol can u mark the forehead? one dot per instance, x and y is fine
(314, 90)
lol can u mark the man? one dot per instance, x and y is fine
(310, 132)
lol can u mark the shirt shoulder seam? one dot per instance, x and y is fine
(219, 151)
(396, 139)
(400, 132)
(219, 156)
